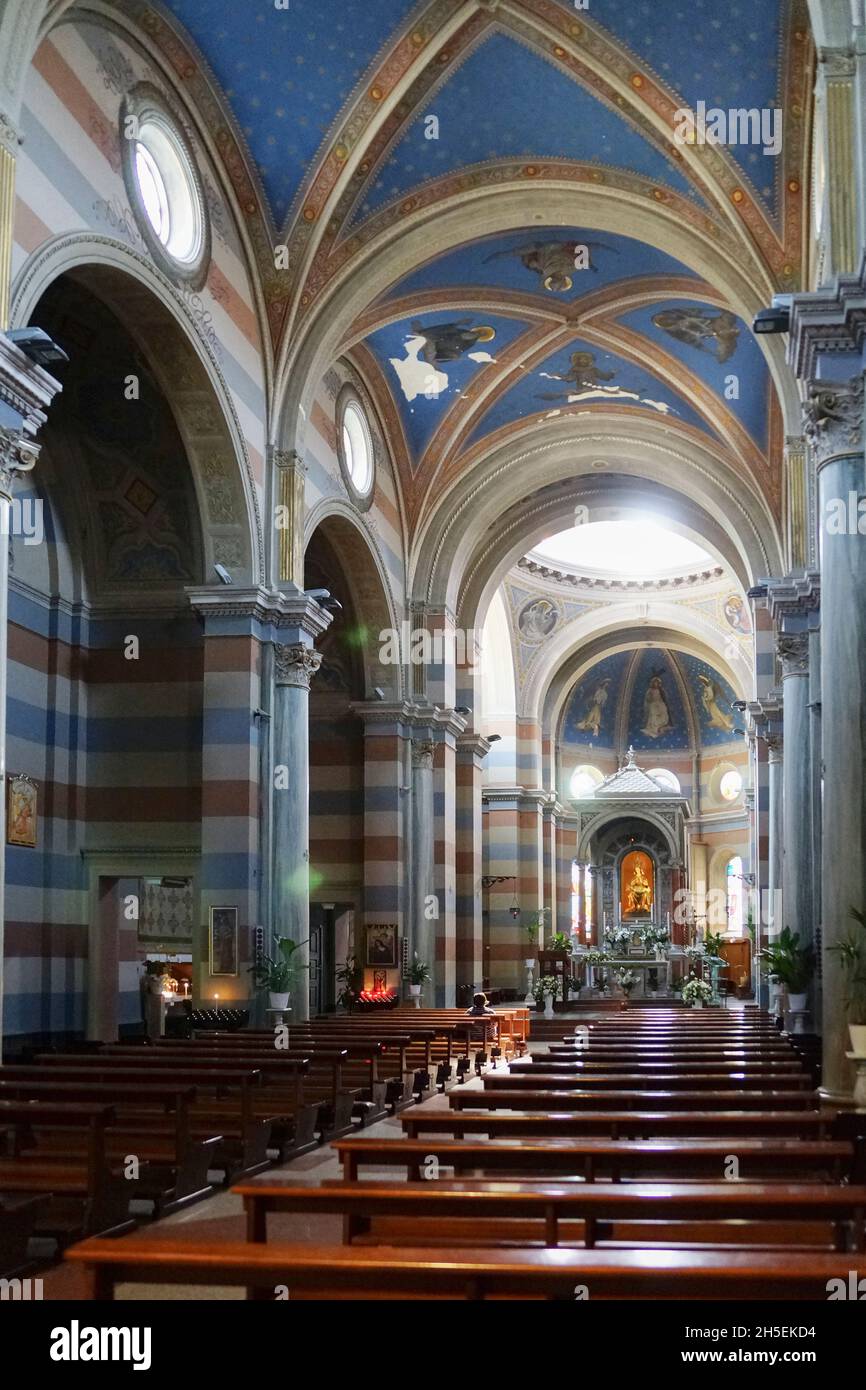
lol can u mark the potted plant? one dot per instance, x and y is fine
(532, 927)
(626, 979)
(697, 993)
(790, 964)
(351, 976)
(277, 973)
(560, 942)
(419, 974)
(852, 957)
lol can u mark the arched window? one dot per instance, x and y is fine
(735, 895)
(355, 448)
(668, 780)
(584, 781)
(164, 186)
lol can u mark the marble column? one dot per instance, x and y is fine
(26, 392)
(472, 749)
(773, 911)
(797, 782)
(422, 897)
(835, 430)
(295, 662)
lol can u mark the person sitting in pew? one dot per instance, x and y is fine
(479, 1007)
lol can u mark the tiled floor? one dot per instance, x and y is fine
(221, 1218)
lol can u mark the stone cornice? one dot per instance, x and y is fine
(630, 586)
(828, 320)
(470, 744)
(793, 598)
(27, 389)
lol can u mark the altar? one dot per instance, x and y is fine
(630, 963)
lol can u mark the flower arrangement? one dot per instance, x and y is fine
(618, 938)
(652, 937)
(626, 979)
(597, 957)
(695, 990)
(548, 984)
(696, 952)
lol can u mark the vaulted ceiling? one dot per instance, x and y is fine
(346, 120)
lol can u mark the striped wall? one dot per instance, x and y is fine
(73, 99)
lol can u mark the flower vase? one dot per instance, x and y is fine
(548, 1006)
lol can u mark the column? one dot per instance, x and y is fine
(773, 913)
(290, 479)
(301, 621)
(797, 782)
(387, 820)
(597, 924)
(816, 777)
(472, 749)
(26, 392)
(835, 432)
(425, 904)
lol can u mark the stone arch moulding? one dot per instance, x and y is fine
(620, 812)
(229, 505)
(396, 253)
(379, 614)
(470, 515)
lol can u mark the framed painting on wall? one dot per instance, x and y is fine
(223, 940)
(22, 810)
(382, 944)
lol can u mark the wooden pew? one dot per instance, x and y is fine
(670, 1078)
(613, 1159)
(616, 1124)
(18, 1215)
(652, 1098)
(597, 1206)
(326, 1272)
(85, 1193)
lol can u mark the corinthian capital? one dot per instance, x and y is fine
(18, 454)
(422, 753)
(296, 664)
(793, 649)
(833, 417)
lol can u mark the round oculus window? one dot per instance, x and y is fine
(165, 188)
(357, 449)
(730, 785)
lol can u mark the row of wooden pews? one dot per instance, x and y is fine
(667, 1154)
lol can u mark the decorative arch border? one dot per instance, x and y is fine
(89, 250)
(620, 812)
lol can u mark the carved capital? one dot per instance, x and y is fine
(833, 418)
(295, 665)
(422, 753)
(289, 459)
(18, 454)
(836, 63)
(793, 649)
(774, 744)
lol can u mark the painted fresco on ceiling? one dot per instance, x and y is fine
(506, 101)
(728, 56)
(657, 716)
(579, 375)
(590, 716)
(288, 72)
(713, 699)
(430, 361)
(527, 261)
(719, 348)
(737, 615)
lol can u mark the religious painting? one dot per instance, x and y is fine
(586, 380)
(538, 619)
(382, 944)
(554, 262)
(737, 615)
(592, 719)
(223, 933)
(429, 345)
(22, 804)
(656, 711)
(380, 981)
(712, 699)
(716, 333)
(637, 875)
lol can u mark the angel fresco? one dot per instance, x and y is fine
(591, 721)
(447, 342)
(717, 333)
(554, 261)
(711, 695)
(656, 711)
(583, 376)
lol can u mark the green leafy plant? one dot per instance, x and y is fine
(714, 941)
(789, 963)
(851, 951)
(277, 973)
(535, 924)
(560, 942)
(419, 972)
(351, 976)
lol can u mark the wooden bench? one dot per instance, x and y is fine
(651, 1098)
(329, 1271)
(636, 1124)
(597, 1206)
(588, 1159)
(670, 1078)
